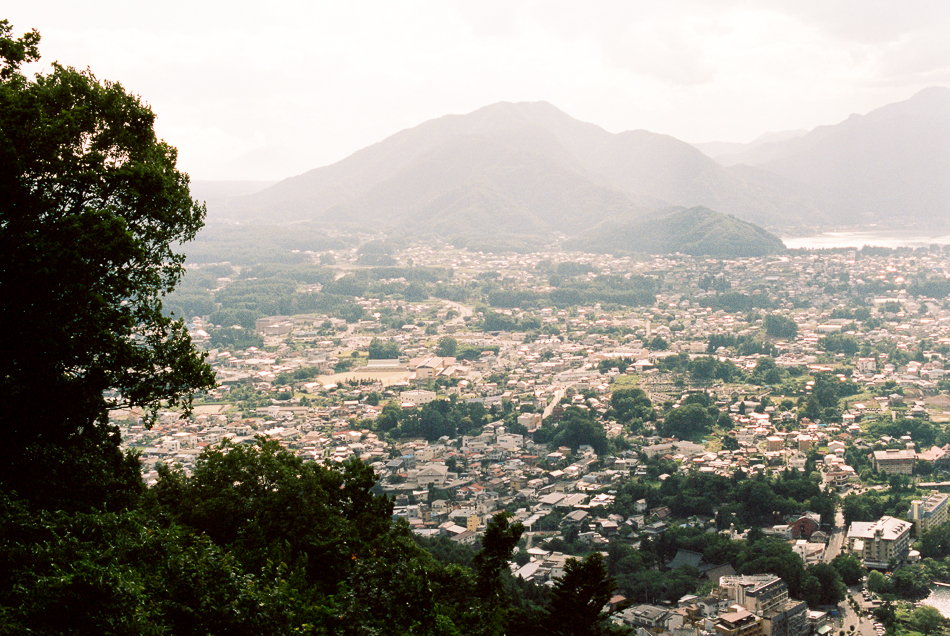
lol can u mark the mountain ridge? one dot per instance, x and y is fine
(530, 169)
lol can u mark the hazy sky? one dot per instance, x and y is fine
(269, 90)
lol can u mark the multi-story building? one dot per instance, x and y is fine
(929, 513)
(417, 398)
(879, 542)
(758, 593)
(766, 595)
(651, 617)
(740, 622)
(894, 461)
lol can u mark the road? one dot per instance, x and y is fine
(558, 394)
(836, 540)
(863, 625)
(463, 311)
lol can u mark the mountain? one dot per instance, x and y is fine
(724, 152)
(531, 170)
(527, 168)
(891, 165)
(217, 194)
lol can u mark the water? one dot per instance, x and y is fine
(873, 238)
(939, 598)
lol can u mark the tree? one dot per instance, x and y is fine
(926, 619)
(771, 556)
(910, 581)
(833, 590)
(381, 350)
(687, 422)
(849, 567)
(91, 207)
(447, 347)
(630, 403)
(501, 537)
(112, 573)
(579, 597)
(266, 506)
(577, 428)
(876, 582)
(778, 326)
(935, 543)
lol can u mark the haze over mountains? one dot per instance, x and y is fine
(530, 170)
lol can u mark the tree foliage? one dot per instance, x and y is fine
(576, 428)
(632, 403)
(779, 326)
(689, 421)
(383, 350)
(91, 210)
(579, 597)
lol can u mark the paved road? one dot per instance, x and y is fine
(864, 625)
(558, 394)
(464, 312)
(836, 540)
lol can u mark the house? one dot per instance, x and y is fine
(651, 617)
(417, 397)
(805, 525)
(937, 456)
(435, 474)
(574, 518)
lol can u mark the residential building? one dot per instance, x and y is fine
(652, 617)
(766, 595)
(879, 542)
(740, 622)
(929, 513)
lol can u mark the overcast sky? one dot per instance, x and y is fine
(253, 90)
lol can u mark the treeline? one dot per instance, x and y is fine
(736, 301)
(434, 420)
(248, 245)
(257, 541)
(874, 504)
(274, 289)
(612, 289)
(745, 501)
(701, 369)
(746, 345)
(575, 427)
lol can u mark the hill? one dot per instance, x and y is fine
(697, 231)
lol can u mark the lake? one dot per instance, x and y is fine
(873, 238)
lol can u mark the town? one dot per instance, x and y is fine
(662, 410)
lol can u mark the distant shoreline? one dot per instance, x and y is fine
(867, 237)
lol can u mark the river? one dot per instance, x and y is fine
(939, 598)
(873, 238)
